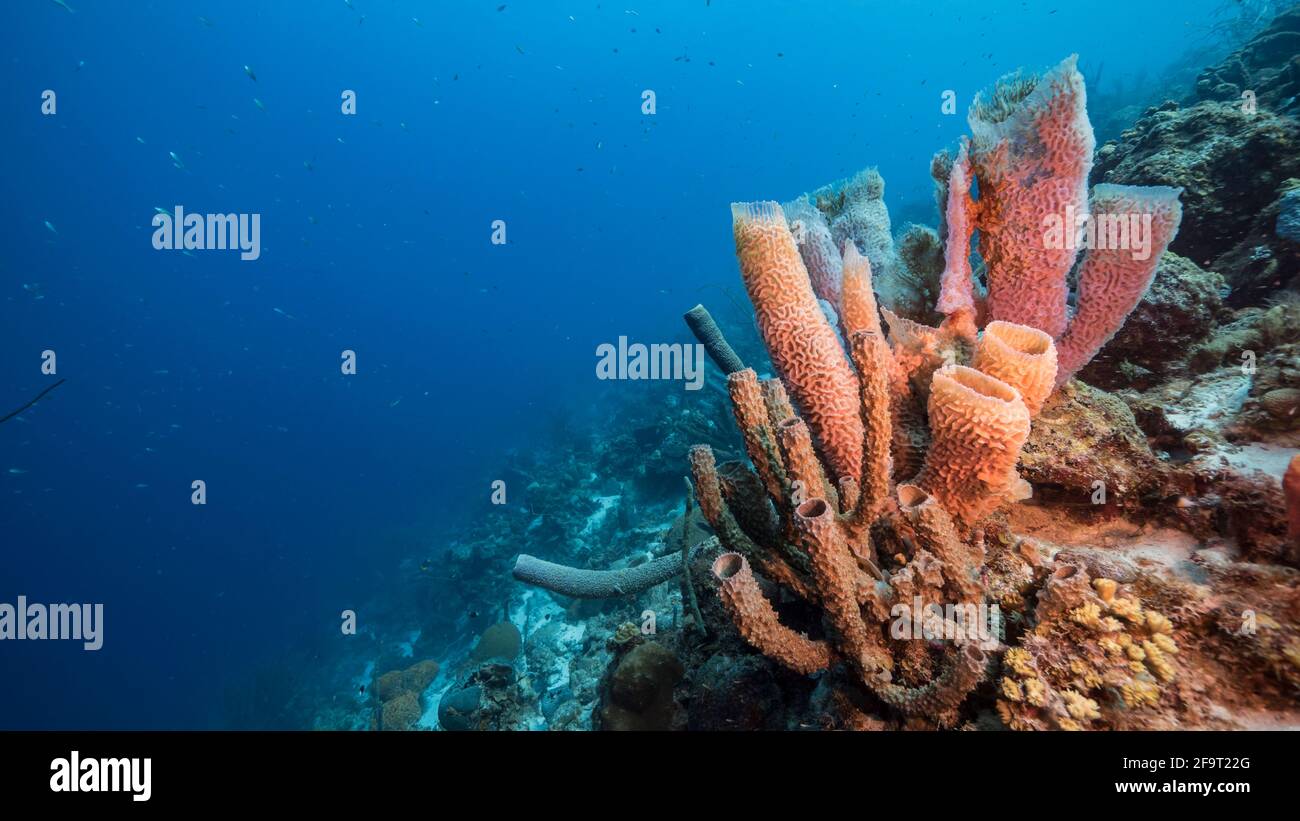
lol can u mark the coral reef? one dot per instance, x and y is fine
(398, 695)
(1232, 146)
(924, 520)
(639, 693)
(837, 522)
(1291, 486)
(1093, 658)
(500, 641)
(1265, 66)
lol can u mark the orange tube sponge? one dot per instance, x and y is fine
(758, 622)
(1129, 230)
(1031, 151)
(749, 407)
(979, 424)
(1021, 356)
(938, 535)
(835, 573)
(801, 463)
(802, 344)
(966, 668)
(873, 360)
(857, 306)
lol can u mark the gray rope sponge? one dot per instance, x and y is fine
(596, 584)
(710, 336)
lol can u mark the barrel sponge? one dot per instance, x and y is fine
(1132, 226)
(1021, 356)
(1291, 488)
(803, 346)
(596, 584)
(757, 622)
(1031, 151)
(411, 680)
(639, 695)
(500, 641)
(979, 424)
(820, 256)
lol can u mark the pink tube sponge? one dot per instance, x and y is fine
(1129, 229)
(803, 346)
(1031, 151)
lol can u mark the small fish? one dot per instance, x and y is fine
(416, 20)
(16, 471)
(205, 21)
(473, 614)
(282, 313)
(258, 103)
(518, 48)
(141, 485)
(140, 140)
(161, 210)
(250, 74)
(50, 226)
(501, 8)
(80, 65)
(395, 402)
(362, 688)
(66, 6)
(175, 159)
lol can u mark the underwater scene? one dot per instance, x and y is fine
(696, 365)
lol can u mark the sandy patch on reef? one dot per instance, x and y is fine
(1163, 550)
(1270, 458)
(1210, 401)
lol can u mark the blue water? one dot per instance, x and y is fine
(375, 234)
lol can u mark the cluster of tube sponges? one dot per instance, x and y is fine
(1030, 154)
(923, 431)
(820, 479)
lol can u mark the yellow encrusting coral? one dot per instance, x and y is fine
(1093, 658)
